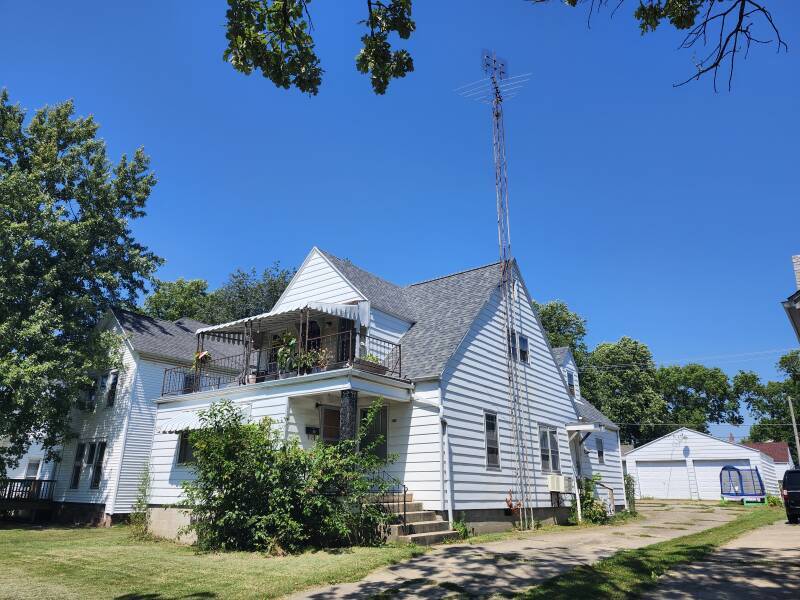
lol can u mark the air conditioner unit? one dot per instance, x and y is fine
(556, 483)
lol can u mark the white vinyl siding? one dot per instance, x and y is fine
(318, 281)
(707, 473)
(475, 380)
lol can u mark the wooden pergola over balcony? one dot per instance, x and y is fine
(287, 342)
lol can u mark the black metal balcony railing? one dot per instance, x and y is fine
(27, 490)
(325, 353)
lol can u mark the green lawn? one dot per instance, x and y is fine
(105, 563)
(630, 572)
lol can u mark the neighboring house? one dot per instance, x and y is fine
(594, 440)
(434, 352)
(686, 464)
(780, 454)
(792, 304)
(100, 469)
(32, 465)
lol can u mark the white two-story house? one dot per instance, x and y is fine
(434, 353)
(101, 466)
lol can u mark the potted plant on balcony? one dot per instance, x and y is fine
(307, 361)
(201, 359)
(324, 359)
(287, 355)
(370, 362)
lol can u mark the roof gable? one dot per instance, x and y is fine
(318, 280)
(693, 433)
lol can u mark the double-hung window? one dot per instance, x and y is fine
(601, 454)
(571, 382)
(492, 440)
(97, 465)
(77, 465)
(548, 444)
(111, 388)
(518, 346)
(32, 469)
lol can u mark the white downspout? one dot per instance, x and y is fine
(622, 473)
(577, 487)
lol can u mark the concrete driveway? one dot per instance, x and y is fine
(764, 563)
(514, 565)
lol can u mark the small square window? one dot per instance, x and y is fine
(523, 348)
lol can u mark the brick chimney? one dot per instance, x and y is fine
(796, 264)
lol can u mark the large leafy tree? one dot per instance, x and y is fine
(66, 255)
(172, 300)
(563, 327)
(770, 404)
(244, 294)
(697, 395)
(621, 379)
(276, 36)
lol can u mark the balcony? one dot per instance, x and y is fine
(261, 361)
(22, 491)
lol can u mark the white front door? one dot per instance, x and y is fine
(707, 473)
(666, 479)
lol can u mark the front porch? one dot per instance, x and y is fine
(313, 338)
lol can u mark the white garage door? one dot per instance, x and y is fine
(707, 473)
(663, 479)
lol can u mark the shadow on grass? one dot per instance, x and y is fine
(156, 596)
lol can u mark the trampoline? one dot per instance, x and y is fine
(741, 484)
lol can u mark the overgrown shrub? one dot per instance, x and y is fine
(630, 493)
(139, 519)
(592, 508)
(774, 501)
(461, 526)
(255, 490)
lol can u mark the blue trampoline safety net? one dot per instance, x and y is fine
(740, 482)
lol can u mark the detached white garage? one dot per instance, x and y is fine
(685, 465)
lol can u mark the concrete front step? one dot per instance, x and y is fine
(398, 507)
(392, 498)
(399, 530)
(426, 539)
(415, 516)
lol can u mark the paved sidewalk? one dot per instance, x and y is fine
(514, 565)
(764, 563)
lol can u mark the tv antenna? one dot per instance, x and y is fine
(493, 90)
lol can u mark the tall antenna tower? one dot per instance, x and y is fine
(493, 90)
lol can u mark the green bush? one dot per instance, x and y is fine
(255, 490)
(774, 501)
(630, 493)
(592, 508)
(139, 517)
(461, 526)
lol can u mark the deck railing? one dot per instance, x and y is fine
(27, 490)
(329, 352)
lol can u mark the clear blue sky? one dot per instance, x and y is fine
(669, 215)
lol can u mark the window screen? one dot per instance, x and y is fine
(548, 442)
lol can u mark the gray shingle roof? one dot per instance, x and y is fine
(444, 308)
(560, 354)
(441, 310)
(589, 413)
(383, 295)
(169, 339)
(625, 448)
